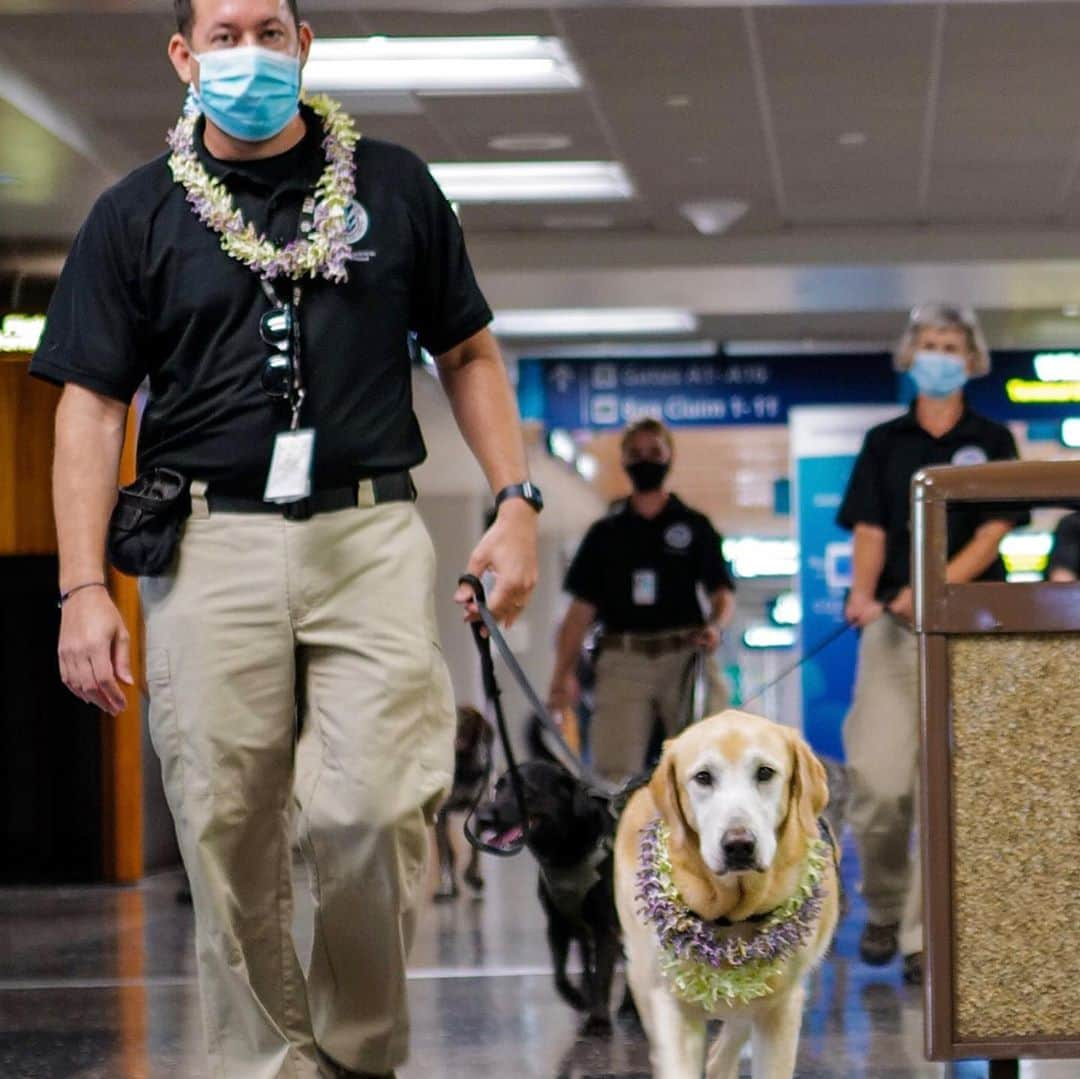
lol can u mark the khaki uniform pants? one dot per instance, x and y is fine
(881, 743)
(341, 607)
(632, 690)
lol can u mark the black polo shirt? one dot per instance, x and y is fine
(642, 574)
(147, 291)
(879, 491)
(1066, 552)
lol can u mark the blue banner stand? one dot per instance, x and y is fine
(825, 441)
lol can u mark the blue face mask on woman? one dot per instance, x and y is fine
(251, 93)
(938, 374)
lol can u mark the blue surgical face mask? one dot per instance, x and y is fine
(251, 93)
(938, 374)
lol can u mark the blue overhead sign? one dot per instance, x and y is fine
(698, 393)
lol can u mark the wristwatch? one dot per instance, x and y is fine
(528, 491)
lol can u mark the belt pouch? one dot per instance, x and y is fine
(145, 525)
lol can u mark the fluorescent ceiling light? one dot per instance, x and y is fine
(433, 65)
(1070, 433)
(585, 322)
(533, 181)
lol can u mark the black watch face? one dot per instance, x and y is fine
(533, 495)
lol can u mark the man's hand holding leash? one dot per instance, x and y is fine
(508, 550)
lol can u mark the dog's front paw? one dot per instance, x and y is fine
(597, 1025)
(474, 880)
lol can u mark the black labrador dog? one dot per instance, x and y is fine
(472, 766)
(570, 833)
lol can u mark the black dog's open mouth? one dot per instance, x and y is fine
(503, 840)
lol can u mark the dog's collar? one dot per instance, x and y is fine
(703, 965)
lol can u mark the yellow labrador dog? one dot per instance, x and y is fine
(726, 887)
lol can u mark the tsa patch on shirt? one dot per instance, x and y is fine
(679, 537)
(356, 222)
(969, 455)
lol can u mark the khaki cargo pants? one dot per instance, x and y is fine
(881, 744)
(342, 607)
(632, 690)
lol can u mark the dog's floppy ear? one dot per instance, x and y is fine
(664, 788)
(809, 793)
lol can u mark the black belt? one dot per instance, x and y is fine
(394, 487)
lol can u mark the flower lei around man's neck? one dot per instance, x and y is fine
(703, 963)
(324, 251)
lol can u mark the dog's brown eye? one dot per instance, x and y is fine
(765, 773)
(704, 778)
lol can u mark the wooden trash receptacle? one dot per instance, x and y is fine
(1000, 799)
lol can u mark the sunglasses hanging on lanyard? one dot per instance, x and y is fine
(289, 478)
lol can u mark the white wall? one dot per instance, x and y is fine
(453, 499)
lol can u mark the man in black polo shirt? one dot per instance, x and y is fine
(941, 349)
(270, 312)
(638, 571)
(1065, 557)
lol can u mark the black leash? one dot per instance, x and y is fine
(819, 647)
(564, 754)
(494, 695)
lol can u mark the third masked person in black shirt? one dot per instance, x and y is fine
(941, 349)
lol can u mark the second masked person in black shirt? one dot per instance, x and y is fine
(638, 572)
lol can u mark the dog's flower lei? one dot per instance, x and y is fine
(703, 963)
(324, 250)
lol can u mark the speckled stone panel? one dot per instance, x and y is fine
(1016, 808)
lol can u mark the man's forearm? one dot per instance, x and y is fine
(723, 607)
(867, 559)
(476, 384)
(978, 553)
(86, 462)
(571, 636)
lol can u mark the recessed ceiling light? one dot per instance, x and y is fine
(574, 222)
(586, 322)
(852, 138)
(449, 65)
(533, 181)
(678, 101)
(529, 143)
(713, 216)
(1071, 310)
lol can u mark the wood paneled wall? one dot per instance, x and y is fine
(26, 447)
(27, 526)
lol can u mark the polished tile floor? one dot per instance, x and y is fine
(98, 983)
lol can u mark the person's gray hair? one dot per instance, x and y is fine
(943, 316)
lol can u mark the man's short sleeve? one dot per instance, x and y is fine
(584, 578)
(864, 501)
(1066, 552)
(93, 323)
(447, 304)
(714, 570)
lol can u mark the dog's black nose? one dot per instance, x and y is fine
(739, 847)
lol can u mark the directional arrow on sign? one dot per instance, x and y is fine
(563, 377)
